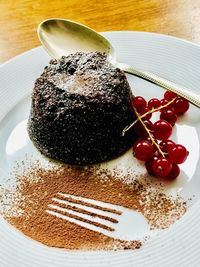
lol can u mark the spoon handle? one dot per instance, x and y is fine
(192, 97)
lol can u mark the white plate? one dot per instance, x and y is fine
(172, 58)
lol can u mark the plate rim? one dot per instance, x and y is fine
(26, 53)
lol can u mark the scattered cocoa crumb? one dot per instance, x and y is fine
(36, 186)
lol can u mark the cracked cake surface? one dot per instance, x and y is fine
(80, 105)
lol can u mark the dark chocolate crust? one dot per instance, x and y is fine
(80, 105)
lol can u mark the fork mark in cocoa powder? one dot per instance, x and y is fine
(80, 210)
(90, 205)
(65, 213)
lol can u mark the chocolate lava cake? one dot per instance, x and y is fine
(80, 105)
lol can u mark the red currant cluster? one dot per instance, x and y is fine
(160, 154)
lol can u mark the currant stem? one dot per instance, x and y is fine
(127, 128)
(149, 133)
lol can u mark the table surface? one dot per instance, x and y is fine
(19, 19)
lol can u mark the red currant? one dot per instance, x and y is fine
(178, 154)
(173, 173)
(139, 103)
(169, 116)
(180, 105)
(168, 95)
(163, 102)
(153, 103)
(140, 130)
(150, 141)
(143, 150)
(148, 116)
(167, 145)
(162, 167)
(149, 125)
(162, 130)
(149, 165)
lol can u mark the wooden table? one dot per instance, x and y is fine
(19, 18)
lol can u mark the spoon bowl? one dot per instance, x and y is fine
(61, 37)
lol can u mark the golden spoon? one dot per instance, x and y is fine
(61, 37)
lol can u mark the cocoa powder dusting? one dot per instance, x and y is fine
(37, 186)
